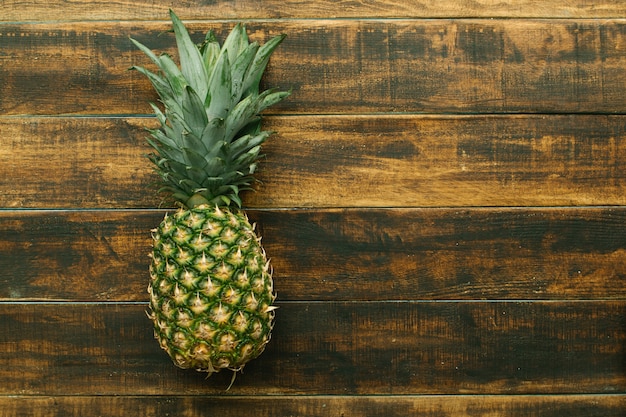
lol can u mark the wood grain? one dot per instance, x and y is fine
(400, 161)
(75, 162)
(444, 204)
(21, 10)
(335, 161)
(337, 66)
(321, 406)
(326, 255)
(339, 348)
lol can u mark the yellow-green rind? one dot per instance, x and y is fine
(211, 289)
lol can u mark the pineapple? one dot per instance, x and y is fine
(211, 289)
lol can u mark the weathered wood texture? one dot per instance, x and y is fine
(340, 348)
(329, 255)
(358, 161)
(22, 10)
(337, 66)
(444, 203)
(319, 405)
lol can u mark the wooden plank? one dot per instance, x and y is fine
(335, 161)
(397, 254)
(321, 406)
(400, 161)
(80, 255)
(75, 162)
(18, 10)
(340, 348)
(337, 66)
(447, 253)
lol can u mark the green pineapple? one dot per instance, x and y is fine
(211, 289)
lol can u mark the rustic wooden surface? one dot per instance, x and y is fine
(23, 10)
(339, 254)
(391, 347)
(399, 160)
(444, 203)
(319, 405)
(342, 66)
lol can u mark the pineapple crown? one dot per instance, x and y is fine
(207, 146)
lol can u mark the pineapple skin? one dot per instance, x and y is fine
(211, 289)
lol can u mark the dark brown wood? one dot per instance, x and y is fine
(15, 10)
(444, 204)
(75, 255)
(341, 348)
(321, 406)
(400, 161)
(385, 254)
(337, 66)
(448, 253)
(335, 161)
(75, 162)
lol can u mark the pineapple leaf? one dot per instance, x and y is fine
(220, 89)
(146, 51)
(177, 128)
(191, 61)
(194, 143)
(210, 50)
(240, 68)
(247, 110)
(236, 41)
(193, 179)
(193, 112)
(159, 114)
(164, 145)
(177, 195)
(214, 166)
(173, 75)
(240, 116)
(172, 167)
(235, 196)
(194, 159)
(245, 143)
(252, 128)
(191, 185)
(213, 132)
(209, 139)
(255, 72)
(272, 98)
(248, 157)
(161, 86)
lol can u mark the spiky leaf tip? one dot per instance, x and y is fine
(208, 143)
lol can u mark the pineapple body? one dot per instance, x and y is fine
(211, 289)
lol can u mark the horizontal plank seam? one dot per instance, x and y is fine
(320, 396)
(53, 210)
(502, 114)
(339, 115)
(456, 17)
(335, 301)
